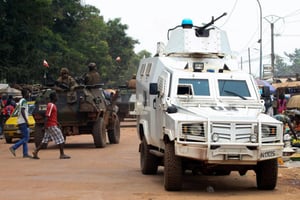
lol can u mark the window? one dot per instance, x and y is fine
(148, 69)
(142, 69)
(184, 90)
(194, 86)
(233, 88)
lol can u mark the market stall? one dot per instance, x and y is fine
(10, 91)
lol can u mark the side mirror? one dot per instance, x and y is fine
(153, 88)
(171, 109)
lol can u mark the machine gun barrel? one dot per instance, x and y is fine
(201, 30)
(213, 21)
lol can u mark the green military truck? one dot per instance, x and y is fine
(84, 110)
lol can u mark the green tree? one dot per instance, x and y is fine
(295, 61)
(23, 25)
(281, 68)
(66, 34)
(120, 45)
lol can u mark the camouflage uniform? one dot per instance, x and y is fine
(92, 77)
(68, 84)
(65, 79)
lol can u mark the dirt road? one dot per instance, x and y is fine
(113, 173)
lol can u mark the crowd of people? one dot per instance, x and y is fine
(277, 108)
(7, 106)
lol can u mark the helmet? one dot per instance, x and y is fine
(64, 70)
(92, 66)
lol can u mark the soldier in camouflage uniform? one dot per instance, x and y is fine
(67, 83)
(65, 80)
(92, 77)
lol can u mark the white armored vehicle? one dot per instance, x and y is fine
(197, 112)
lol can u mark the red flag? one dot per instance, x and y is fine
(45, 63)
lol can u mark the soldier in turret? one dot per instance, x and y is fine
(92, 77)
(66, 81)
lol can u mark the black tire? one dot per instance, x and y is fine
(114, 132)
(99, 134)
(39, 133)
(8, 139)
(266, 174)
(148, 161)
(172, 169)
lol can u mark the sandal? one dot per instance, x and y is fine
(35, 156)
(64, 157)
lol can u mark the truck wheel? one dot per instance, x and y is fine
(114, 133)
(266, 174)
(99, 133)
(148, 162)
(173, 169)
(39, 133)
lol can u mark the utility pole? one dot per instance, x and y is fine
(260, 40)
(272, 19)
(249, 60)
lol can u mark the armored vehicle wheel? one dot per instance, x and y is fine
(266, 174)
(173, 169)
(148, 162)
(114, 131)
(99, 133)
(39, 133)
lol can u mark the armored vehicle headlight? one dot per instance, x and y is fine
(215, 137)
(253, 138)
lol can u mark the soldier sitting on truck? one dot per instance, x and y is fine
(92, 77)
(67, 83)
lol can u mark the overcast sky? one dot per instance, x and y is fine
(148, 21)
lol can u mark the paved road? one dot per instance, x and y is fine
(113, 173)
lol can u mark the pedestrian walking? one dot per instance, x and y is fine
(52, 131)
(23, 125)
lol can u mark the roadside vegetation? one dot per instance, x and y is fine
(66, 34)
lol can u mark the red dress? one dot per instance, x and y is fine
(281, 105)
